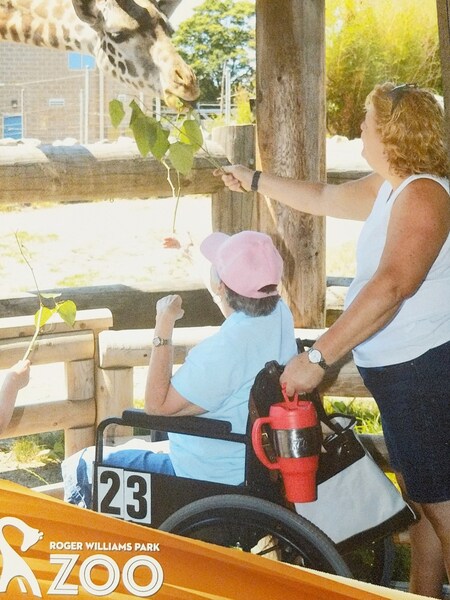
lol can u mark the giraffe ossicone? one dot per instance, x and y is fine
(130, 39)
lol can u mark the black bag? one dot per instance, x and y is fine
(356, 502)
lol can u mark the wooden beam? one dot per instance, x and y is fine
(78, 345)
(95, 172)
(131, 307)
(132, 348)
(232, 212)
(31, 419)
(443, 15)
(290, 114)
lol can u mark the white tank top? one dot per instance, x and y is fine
(423, 321)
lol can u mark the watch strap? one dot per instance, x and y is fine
(255, 181)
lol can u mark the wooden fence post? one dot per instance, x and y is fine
(80, 386)
(443, 14)
(290, 113)
(114, 395)
(232, 212)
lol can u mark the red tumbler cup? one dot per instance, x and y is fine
(296, 437)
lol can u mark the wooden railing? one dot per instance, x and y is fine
(75, 409)
(99, 366)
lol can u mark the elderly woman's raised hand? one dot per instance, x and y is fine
(237, 178)
(169, 308)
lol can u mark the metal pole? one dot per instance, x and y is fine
(81, 115)
(86, 106)
(227, 96)
(22, 108)
(101, 111)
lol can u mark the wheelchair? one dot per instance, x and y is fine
(251, 517)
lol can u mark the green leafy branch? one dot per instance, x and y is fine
(174, 147)
(48, 305)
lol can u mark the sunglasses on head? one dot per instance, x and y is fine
(396, 94)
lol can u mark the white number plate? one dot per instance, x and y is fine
(124, 494)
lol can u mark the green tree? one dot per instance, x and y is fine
(374, 41)
(220, 31)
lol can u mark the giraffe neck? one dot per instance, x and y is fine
(45, 23)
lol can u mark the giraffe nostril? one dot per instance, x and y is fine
(178, 76)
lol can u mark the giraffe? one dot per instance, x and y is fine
(130, 39)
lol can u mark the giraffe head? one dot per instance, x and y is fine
(133, 44)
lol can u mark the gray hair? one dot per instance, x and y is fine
(252, 307)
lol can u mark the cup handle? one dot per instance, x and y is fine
(257, 444)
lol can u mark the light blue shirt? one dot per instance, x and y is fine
(217, 375)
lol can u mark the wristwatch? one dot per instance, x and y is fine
(157, 341)
(315, 357)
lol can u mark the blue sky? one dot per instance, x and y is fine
(184, 11)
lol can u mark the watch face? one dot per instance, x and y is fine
(314, 356)
(157, 341)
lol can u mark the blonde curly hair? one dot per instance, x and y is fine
(410, 121)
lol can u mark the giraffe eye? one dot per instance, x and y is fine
(118, 36)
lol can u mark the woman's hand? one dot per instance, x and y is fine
(172, 243)
(19, 374)
(169, 308)
(237, 178)
(300, 375)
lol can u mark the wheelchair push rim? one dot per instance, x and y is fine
(253, 525)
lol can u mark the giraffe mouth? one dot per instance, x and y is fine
(181, 87)
(175, 102)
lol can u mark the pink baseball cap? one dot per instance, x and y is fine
(246, 261)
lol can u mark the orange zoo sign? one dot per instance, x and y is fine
(50, 549)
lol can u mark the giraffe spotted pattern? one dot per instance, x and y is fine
(130, 39)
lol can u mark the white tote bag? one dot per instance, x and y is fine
(356, 502)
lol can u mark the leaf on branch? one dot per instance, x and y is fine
(145, 133)
(49, 296)
(67, 310)
(161, 144)
(116, 112)
(42, 316)
(191, 133)
(182, 157)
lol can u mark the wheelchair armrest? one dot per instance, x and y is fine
(188, 425)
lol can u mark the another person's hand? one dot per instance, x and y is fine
(169, 308)
(171, 242)
(19, 374)
(237, 178)
(300, 375)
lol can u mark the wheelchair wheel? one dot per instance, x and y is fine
(258, 526)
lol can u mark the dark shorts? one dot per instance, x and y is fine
(414, 402)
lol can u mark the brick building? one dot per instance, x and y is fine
(43, 95)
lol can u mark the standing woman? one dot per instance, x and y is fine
(397, 312)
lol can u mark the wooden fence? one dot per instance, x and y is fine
(99, 365)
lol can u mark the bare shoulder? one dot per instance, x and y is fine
(425, 194)
(425, 203)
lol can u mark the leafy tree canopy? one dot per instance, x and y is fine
(220, 31)
(372, 41)
(367, 42)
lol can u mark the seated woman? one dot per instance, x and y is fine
(218, 373)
